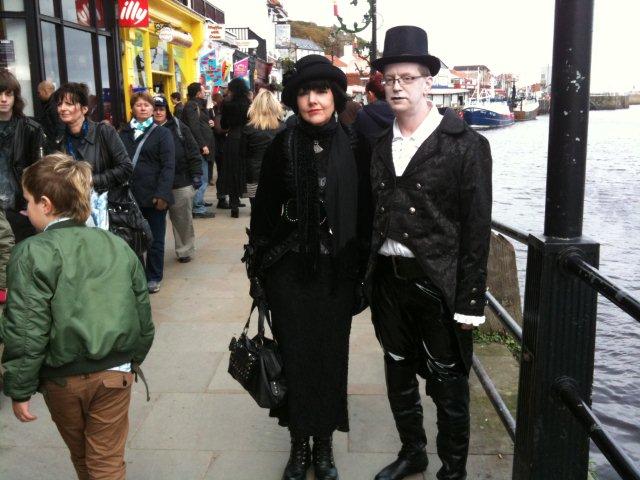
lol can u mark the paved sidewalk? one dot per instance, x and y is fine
(200, 425)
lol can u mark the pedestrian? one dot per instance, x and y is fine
(22, 142)
(51, 124)
(220, 135)
(233, 119)
(431, 181)
(152, 152)
(98, 144)
(265, 121)
(187, 179)
(178, 106)
(376, 116)
(304, 244)
(77, 320)
(6, 245)
(351, 109)
(197, 119)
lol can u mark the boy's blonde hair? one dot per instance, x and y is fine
(64, 181)
(265, 111)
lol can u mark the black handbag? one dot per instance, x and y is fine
(126, 219)
(256, 363)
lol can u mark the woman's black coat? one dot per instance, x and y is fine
(188, 158)
(154, 172)
(103, 149)
(254, 144)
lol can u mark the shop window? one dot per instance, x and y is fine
(104, 76)
(50, 53)
(46, 8)
(138, 67)
(80, 60)
(12, 5)
(180, 59)
(198, 6)
(14, 56)
(159, 54)
(76, 11)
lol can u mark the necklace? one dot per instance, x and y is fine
(316, 147)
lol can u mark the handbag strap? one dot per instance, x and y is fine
(263, 314)
(134, 160)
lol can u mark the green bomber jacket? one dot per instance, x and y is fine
(78, 303)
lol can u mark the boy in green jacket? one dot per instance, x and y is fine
(77, 319)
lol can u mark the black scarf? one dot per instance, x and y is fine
(341, 198)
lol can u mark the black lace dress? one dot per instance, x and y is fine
(312, 322)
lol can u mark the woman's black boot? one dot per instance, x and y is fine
(323, 464)
(299, 459)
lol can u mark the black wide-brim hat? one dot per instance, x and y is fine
(311, 67)
(409, 44)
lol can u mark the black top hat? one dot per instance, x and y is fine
(407, 44)
(311, 67)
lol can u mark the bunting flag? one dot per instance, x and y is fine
(335, 8)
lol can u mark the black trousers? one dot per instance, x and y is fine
(412, 321)
(419, 337)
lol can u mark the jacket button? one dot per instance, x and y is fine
(405, 235)
(472, 302)
(381, 209)
(382, 185)
(412, 211)
(418, 186)
(474, 290)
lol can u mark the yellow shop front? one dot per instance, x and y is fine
(162, 58)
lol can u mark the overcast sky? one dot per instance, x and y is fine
(509, 36)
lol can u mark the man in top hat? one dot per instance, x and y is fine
(431, 184)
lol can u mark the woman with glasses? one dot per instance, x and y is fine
(306, 257)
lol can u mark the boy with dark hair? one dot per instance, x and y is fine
(22, 142)
(176, 101)
(77, 320)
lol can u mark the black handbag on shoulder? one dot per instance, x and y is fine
(256, 363)
(126, 219)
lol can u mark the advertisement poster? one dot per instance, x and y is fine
(215, 66)
(241, 68)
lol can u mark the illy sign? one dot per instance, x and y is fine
(134, 13)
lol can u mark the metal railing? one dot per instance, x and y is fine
(572, 262)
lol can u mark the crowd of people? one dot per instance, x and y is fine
(386, 206)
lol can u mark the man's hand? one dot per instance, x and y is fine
(205, 150)
(22, 413)
(212, 123)
(196, 181)
(160, 204)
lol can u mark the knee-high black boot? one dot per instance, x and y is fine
(323, 465)
(452, 404)
(299, 459)
(404, 397)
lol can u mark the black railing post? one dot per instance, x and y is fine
(559, 309)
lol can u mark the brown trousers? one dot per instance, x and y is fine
(92, 414)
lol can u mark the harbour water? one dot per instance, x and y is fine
(612, 218)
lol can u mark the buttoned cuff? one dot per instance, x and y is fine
(469, 319)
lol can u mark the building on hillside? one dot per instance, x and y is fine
(335, 60)
(480, 73)
(303, 46)
(355, 62)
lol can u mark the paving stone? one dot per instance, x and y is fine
(194, 337)
(366, 374)
(35, 463)
(39, 433)
(210, 422)
(167, 465)
(180, 371)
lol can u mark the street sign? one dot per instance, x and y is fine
(248, 43)
(133, 13)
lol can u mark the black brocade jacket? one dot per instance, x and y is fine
(440, 208)
(271, 235)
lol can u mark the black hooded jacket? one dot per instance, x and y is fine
(373, 119)
(188, 158)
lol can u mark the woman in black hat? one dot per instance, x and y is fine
(305, 258)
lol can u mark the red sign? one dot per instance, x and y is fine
(134, 13)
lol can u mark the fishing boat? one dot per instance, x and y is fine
(488, 115)
(527, 110)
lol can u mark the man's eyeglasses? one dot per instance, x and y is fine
(402, 80)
